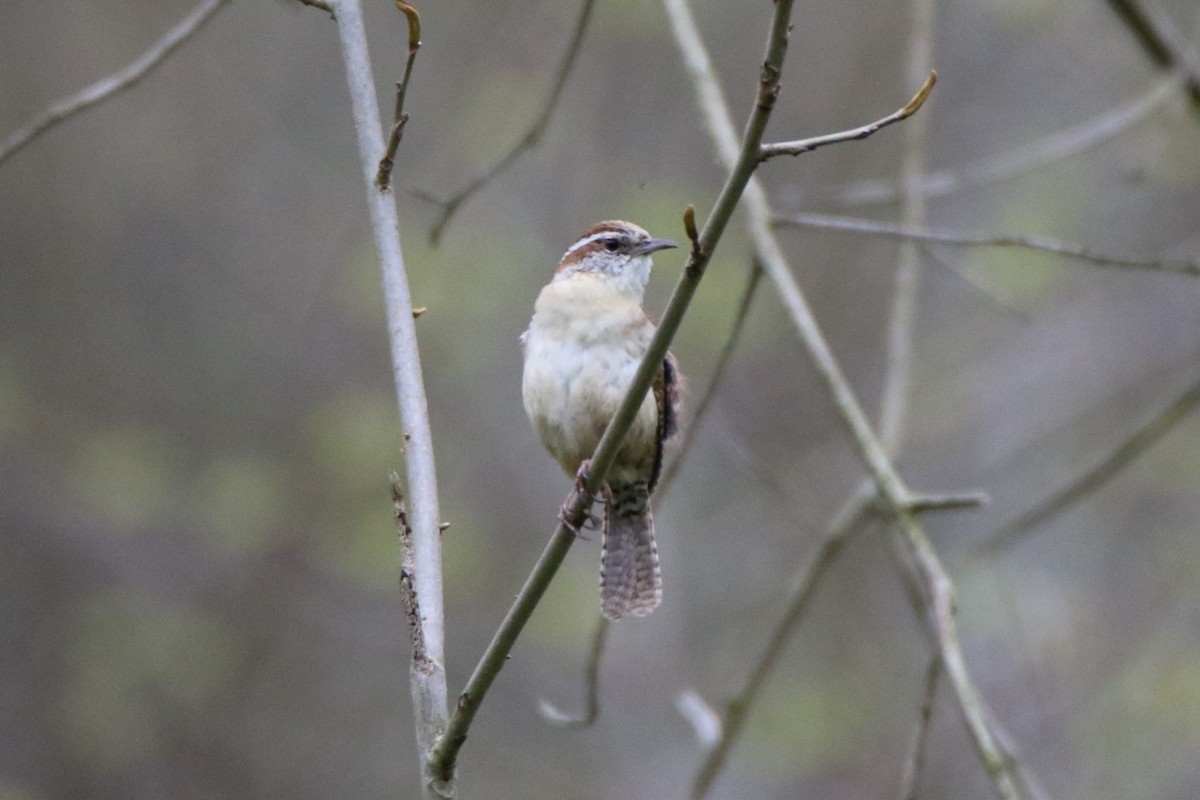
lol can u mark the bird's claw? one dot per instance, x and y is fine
(591, 521)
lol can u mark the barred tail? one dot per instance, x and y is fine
(630, 580)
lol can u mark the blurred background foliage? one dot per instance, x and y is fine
(197, 560)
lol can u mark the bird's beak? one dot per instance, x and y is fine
(653, 246)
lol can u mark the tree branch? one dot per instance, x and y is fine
(1027, 157)
(843, 526)
(936, 594)
(1042, 243)
(714, 381)
(427, 680)
(591, 686)
(102, 90)
(451, 205)
(446, 752)
(799, 146)
(1071, 495)
(383, 176)
(916, 754)
(1162, 42)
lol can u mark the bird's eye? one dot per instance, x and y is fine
(611, 245)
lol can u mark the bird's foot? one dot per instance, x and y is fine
(591, 521)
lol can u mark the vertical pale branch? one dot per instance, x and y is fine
(904, 302)
(427, 676)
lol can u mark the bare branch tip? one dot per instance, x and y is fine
(414, 24)
(921, 96)
(689, 225)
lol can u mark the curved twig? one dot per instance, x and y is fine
(102, 90)
(451, 204)
(854, 134)
(591, 684)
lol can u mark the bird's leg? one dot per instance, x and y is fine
(591, 522)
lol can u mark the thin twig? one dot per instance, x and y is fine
(936, 596)
(1162, 42)
(445, 754)
(920, 503)
(808, 145)
(1003, 166)
(1042, 243)
(428, 684)
(102, 90)
(383, 176)
(527, 142)
(915, 762)
(591, 683)
(1129, 450)
(846, 522)
(714, 381)
(321, 4)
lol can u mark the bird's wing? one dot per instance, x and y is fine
(667, 388)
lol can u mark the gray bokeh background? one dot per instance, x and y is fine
(197, 563)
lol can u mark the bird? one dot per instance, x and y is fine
(584, 343)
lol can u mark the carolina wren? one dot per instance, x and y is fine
(585, 341)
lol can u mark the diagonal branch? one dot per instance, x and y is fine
(846, 522)
(933, 588)
(103, 89)
(916, 754)
(427, 677)
(1162, 42)
(1042, 243)
(445, 753)
(714, 382)
(451, 204)
(1071, 495)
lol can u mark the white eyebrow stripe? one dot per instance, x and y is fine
(585, 241)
